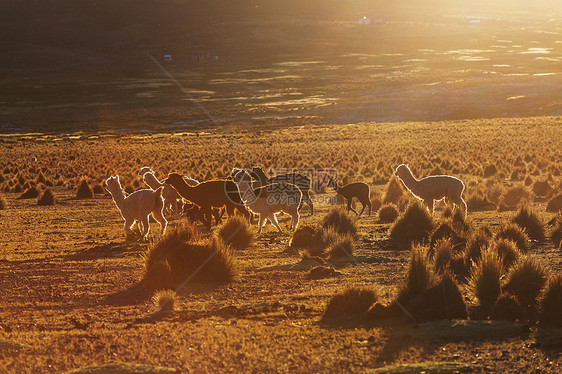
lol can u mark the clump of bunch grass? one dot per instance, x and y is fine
(506, 308)
(514, 233)
(550, 302)
(507, 250)
(485, 277)
(413, 225)
(554, 205)
(48, 198)
(513, 197)
(476, 243)
(419, 277)
(388, 212)
(84, 191)
(304, 237)
(443, 254)
(530, 222)
(351, 303)
(445, 230)
(30, 193)
(341, 222)
(444, 300)
(525, 281)
(542, 188)
(190, 258)
(341, 247)
(394, 191)
(236, 232)
(165, 300)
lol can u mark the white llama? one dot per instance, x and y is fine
(172, 199)
(137, 206)
(433, 188)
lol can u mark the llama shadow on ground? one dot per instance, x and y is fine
(133, 295)
(108, 250)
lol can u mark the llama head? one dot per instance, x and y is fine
(240, 175)
(402, 170)
(174, 179)
(112, 184)
(145, 169)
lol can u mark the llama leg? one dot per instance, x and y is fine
(369, 205)
(295, 220)
(363, 208)
(207, 218)
(145, 227)
(273, 220)
(127, 226)
(261, 222)
(459, 201)
(349, 206)
(159, 217)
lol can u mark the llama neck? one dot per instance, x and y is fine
(411, 182)
(246, 192)
(118, 197)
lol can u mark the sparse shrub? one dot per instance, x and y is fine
(236, 232)
(394, 191)
(48, 198)
(340, 222)
(550, 302)
(507, 250)
(443, 254)
(444, 300)
(459, 221)
(304, 237)
(3, 202)
(388, 213)
(554, 205)
(514, 233)
(342, 247)
(419, 277)
(542, 188)
(525, 281)
(159, 277)
(84, 191)
(446, 231)
(506, 308)
(484, 280)
(351, 303)
(190, 257)
(413, 225)
(531, 223)
(165, 300)
(30, 193)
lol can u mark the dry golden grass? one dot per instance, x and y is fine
(71, 292)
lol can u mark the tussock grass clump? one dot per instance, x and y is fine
(525, 281)
(48, 198)
(506, 308)
(554, 205)
(443, 254)
(388, 212)
(419, 277)
(351, 303)
(304, 237)
(413, 225)
(514, 196)
(484, 279)
(514, 233)
(3, 202)
(507, 250)
(165, 300)
(530, 222)
(159, 277)
(490, 171)
(444, 300)
(341, 222)
(446, 231)
(394, 191)
(342, 247)
(542, 188)
(190, 258)
(550, 302)
(236, 231)
(30, 193)
(98, 189)
(84, 191)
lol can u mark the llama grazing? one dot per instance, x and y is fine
(300, 180)
(209, 194)
(172, 200)
(359, 190)
(193, 213)
(433, 188)
(137, 206)
(269, 200)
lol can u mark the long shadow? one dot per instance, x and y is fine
(109, 250)
(133, 295)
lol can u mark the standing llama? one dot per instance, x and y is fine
(358, 190)
(269, 200)
(137, 206)
(433, 188)
(172, 200)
